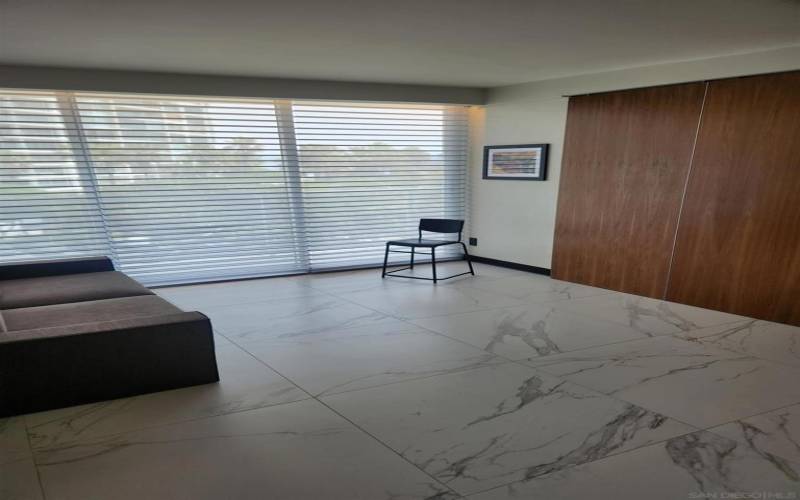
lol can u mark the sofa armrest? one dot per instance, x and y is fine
(37, 269)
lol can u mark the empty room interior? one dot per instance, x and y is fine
(370, 250)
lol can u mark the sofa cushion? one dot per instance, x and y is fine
(48, 290)
(27, 318)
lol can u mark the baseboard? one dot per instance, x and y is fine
(475, 258)
(511, 265)
(289, 275)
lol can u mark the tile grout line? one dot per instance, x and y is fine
(409, 321)
(697, 340)
(616, 398)
(574, 466)
(337, 295)
(506, 360)
(499, 357)
(591, 316)
(33, 459)
(537, 369)
(644, 337)
(173, 422)
(740, 419)
(701, 429)
(552, 303)
(356, 426)
(480, 353)
(181, 421)
(698, 428)
(476, 366)
(643, 445)
(385, 445)
(672, 335)
(520, 363)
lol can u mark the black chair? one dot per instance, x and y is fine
(444, 226)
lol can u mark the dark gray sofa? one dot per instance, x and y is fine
(76, 331)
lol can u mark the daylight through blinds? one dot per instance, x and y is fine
(181, 189)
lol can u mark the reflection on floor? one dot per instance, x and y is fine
(505, 385)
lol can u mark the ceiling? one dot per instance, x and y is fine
(447, 42)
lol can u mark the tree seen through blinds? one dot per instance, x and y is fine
(182, 189)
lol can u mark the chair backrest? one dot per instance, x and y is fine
(441, 226)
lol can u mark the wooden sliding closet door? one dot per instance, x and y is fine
(626, 158)
(738, 246)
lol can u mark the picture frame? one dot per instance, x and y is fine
(519, 162)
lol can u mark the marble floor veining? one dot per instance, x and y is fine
(504, 385)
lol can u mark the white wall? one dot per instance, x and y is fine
(514, 220)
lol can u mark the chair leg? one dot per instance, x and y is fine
(469, 259)
(412, 257)
(385, 260)
(433, 262)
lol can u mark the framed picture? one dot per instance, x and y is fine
(522, 162)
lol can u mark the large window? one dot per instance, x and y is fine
(180, 189)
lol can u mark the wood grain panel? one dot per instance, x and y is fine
(738, 245)
(626, 157)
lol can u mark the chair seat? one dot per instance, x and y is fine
(414, 242)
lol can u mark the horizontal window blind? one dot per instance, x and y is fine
(48, 202)
(370, 171)
(182, 189)
(190, 188)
